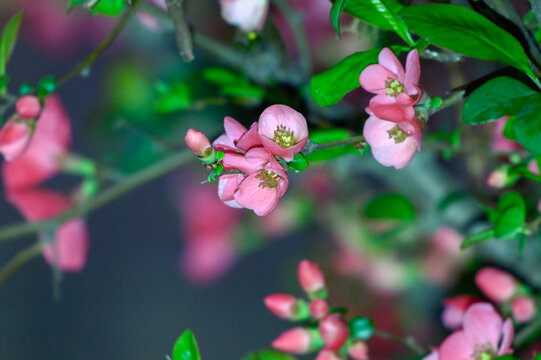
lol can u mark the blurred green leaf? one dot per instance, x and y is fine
(336, 9)
(110, 7)
(511, 214)
(451, 198)
(299, 163)
(390, 207)
(186, 347)
(361, 328)
(8, 40)
(221, 76)
(26, 89)
(244, 91)
(268, 355)
(215, 173)
(46, 86)
(527, 126)
(173, 98)
(328, 135)
(477, 238)
(4, 81)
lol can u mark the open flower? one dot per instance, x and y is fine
(396, 89)
(15, 138)
(236, 139)
(283, 131)
(483, 336)
(390, 144)
(248, 15)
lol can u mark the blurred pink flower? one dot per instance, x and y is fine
(533, 166)
(390, 145)
(327, 355)
(49, 142)
(283, 131)
(500, 142)
(523, 309)
(483, 334)
(310, 277)
(334, 331)
(296, 340)
(248, 15)
(447, 240)
(496, 284)
(282, 305)
(197, 142)
(319, 308)
(14, 138)
(358, 350)
(396, 89)
(454, 310)
(28, 107)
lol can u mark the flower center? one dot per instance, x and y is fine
(268, 179)
(398, 135)
(393, 87)
(485, 352)
(284, 136)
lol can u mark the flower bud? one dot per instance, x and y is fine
(28, 107)
(286, 306)
(198, 143)
(334, 331)
(311, 278)
(358, 350)
(454, 310)
(523, 309)
(319, 308)
(327, 355)
(501, 178)
(497, 285)
(15, 138)
(297, 341)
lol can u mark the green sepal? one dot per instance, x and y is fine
(215, 173)
(299, 163)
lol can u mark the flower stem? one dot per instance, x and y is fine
(22, 258)
(310, 146)
(409, 341)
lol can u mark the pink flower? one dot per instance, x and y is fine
(197, 142)
(297, 341)
(318, 308)
(523, 309)
(68, 249)
(283, 131)
(390, 144)
(334, 331)
(310, 277)
(497, 285)
(248, 15)
(227, 187)
(14, 139)
(396, 90)
(327, 355)
(358, 350)
(498, 178)
(500, 142)
(483, 334)
(454, 310)
(533, 166)
(236, 139)
(50, 141)
(447, 240)
(28, 107)
(282, 305)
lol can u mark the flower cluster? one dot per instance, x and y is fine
(393, 130)
(326, 331)
(254, 179)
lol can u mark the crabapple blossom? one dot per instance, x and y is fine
(454, 310)
(390, 144)
(334, 331)
(297, 340)
(318, 308)
(248, 15)
(396, 89)
(523, 309)
(283, 131)
(327, 355)
(15, 137)
(28, 107)
(198, 143)
(358, 350)
(496, 284)
(285, 306)
(236, 139)
(310, 277)
(447, 240)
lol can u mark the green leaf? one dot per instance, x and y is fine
(221, 76)
(511, 214)
(244, 91)
(336, 9)
(386, 11)
(26, 89)
(4, 81)
(477, 238)
(390, 207)
(361, 328)
(462, 30)
(328, 135)
(299, 163)
(269, 355)
(110, 7)
(496, 98)
(451, 198)
(186, 347)
(367, 12)
(46, 86)
(173, 98)
(527, 126)
(8, 40)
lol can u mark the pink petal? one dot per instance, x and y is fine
(287, 153)
(456, 347)
(248, 15)
(385, 108)
(389, 60)
(233, 129)
(69, 249)
(14, 139)
(38, 204)
(262, 200)
(238, 162)
(227, 186)
(225, 144)
(508, 333)
(281, 115)
(373, 78)
(482, 325)
(250, 139)
(413, 69)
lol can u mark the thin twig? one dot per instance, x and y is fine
(182, 32)
(22, 258)
(409, 341)
(310, 146)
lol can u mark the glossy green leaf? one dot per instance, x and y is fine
(299, 163)
(496, 98)
(361, 328)
(462, 30)
(367, 12)
(510, 217)
(328, 135)
(336, 9)
(386, 9)
(391, 207)
(186, 347)
(110, 7)
(173, 98)
(8, 40)
(527, 126)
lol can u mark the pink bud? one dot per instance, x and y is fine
(310, 277)
(533, 166)
(319, 308)
(334, 331)
(358, 350)
(523, 309)
(296, 341)
(28, 107)
(447, 240)
(327, 355)
(197, 142)
(14, 139)
(499, 178)
(454, 310)
(282, 305)
(497, 285)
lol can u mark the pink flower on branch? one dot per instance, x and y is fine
(248, 15)
(454, 310)
(15, 138)
(523, 309)
(496, 284)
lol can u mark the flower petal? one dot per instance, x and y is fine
(482, 325)
(413, 69)
(389, 60)
(456, 347)
(373, 78)
(262, 200)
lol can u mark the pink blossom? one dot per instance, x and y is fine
(523, 309)
(50, 141)
(68, 249)
(454, 310)
(498, 178)
(197, 142)
(358, 350)
(228, 185)
(334, 331)
(236, 139)
(283, 131)
(447, 240)
(14, 139)
(390, 145)
(396, 89)
(483, 334)
(248, 15)
(533, 166)
(28, 107)
(296, 340)
(282, 305)
(500, 142)
(310, 277)
(496, 284)
(318, 308)
(327, 355)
